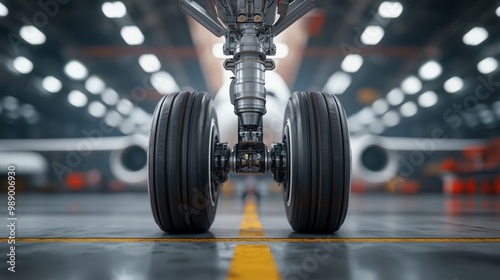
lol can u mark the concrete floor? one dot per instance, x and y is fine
(433, 240)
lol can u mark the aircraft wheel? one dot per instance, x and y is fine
(182, 188)
(318, 170)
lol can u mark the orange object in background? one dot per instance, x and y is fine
(457, 187)
(485, 187)
(93, 178)
(410, 187)
(357, 187)
(496, 186)
(75, 181)
(470, 185)
(453, 185)
(474, 172)
(449, 164)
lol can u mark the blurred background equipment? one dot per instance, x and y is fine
(401, 69)
(420, 85)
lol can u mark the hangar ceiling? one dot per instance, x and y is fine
(83, 46)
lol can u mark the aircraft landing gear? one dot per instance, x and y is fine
(184, 147)
(188, 163)
(313, 162)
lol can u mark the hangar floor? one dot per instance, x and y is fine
(113, 236)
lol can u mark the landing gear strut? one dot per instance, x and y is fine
(188, 163)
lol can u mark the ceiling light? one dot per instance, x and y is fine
(354, 124)
(10, 103)
(124, 107)
(22, 65)
(485, 114)
(338, 83)
(31, 116)
(395, 97)
(377, 127)
(380, 106)
(372, 35)
(366, 116)
(110, 96)
(140, 117)
(3, 10)
(498, 11)
(409, 109)
(411, 85)
(470, 119)
(164, 83)
(427, 99)
(132, 35)
(12, 115)
(27, 110)
(75, 70)
(51, 84)
(391, 118)
(149, 63)
(127, 127)
(390, 9)
(95, 85)
(114, 9)
(352, 63)
(32, 35)
(487, 65)
(475, 36)
(453, 85)
(77, 98)
(113, 119)
(97, 109)
(430, 70)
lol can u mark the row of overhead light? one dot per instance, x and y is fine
(93, 84)
(340, 81)
(10, 105)
(125, 115)
(162, 81)
(13, 110)
(412, 85)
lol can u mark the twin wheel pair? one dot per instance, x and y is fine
(187, 163)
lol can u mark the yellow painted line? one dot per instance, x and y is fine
(250, 224)
(253, 240)
(252, 261)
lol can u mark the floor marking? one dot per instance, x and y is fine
(252, 261)
(250, 224)
(251, 240)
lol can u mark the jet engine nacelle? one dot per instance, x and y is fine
(129, 164)
(372, 163)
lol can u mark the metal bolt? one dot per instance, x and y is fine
(242, 18)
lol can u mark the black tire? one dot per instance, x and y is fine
(318, 176)
(182, 188)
